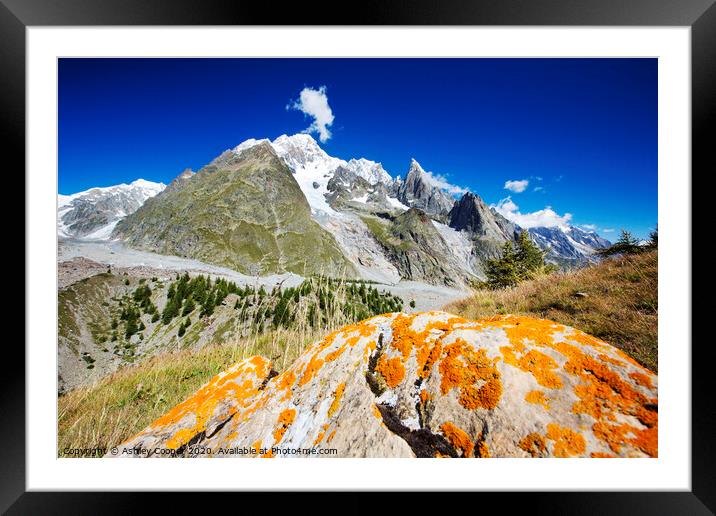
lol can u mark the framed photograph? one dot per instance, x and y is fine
(431, 234)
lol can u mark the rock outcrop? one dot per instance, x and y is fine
(415, 247)
(471, 214)
(426, 385)
(418, 191)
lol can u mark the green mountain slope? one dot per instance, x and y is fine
(242, 211)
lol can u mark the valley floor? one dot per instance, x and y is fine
(79, 259)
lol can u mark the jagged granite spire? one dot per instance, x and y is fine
(418, 191)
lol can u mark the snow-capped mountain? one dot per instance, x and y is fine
(92, 214)
(370, 171)
(379, 226)
(568, 243)
(313, 168)
(311, 165)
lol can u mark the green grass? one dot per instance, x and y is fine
(382, 234)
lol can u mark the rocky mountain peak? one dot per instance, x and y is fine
(417, 190)
(370, 171)
(187, 173)
(471, 214)
(415, 166)
(247, 144)
(301, 150)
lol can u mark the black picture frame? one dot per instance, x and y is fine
(700, 15)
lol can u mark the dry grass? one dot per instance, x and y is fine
(122, 404)
(620, 306)
(107, 413)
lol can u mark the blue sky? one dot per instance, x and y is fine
(581, 132)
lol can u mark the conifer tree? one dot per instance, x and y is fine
(627, 244)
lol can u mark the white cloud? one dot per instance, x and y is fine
(589, 227)
(546, 217)
(314, 103)
(538, 189)
(441, 182)
(517, 186)
(608, 230)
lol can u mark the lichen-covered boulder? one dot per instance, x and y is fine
(427, 385)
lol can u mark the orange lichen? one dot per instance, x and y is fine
(472, 373)
(336, 399)
(256, 447)
(610, 360)
(600, 455)
(313, 366)
(392, 370)
(541, 366)
(487, 396)
(603, 393)
(403, 336)
(613, 435)
(533, 444)
(641, 379)
(538, 398)
(567, 442)
(617, 436)
(285, 382)
(518, 329)
(376, 412)
(481, 449)
(368, 350)
(427, 360)
(616, 408)
(587, 340)
(458, 438)
(331, 436)
(285, 419)
(322, 433)
(647, 440)
(330, 357)
(225, 387)
(425, 343)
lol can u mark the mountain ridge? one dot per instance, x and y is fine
(246, 212)
(92, 213)
(343, 198)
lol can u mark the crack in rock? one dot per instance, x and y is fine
(423, 442)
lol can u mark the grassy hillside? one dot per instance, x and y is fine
(277, 325)
(106, 414)
(615, 300)
(246, 212)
